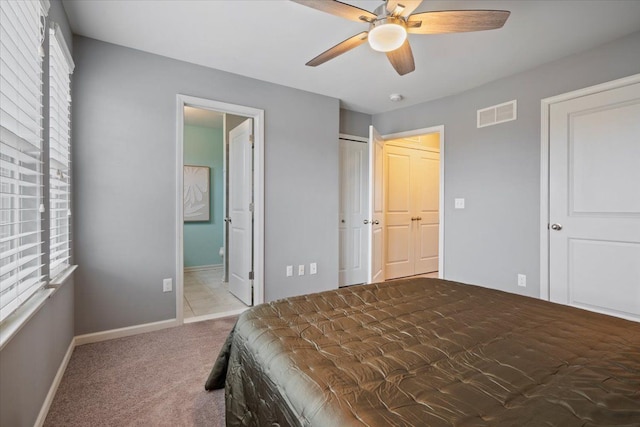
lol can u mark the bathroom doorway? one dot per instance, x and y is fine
(216, 279)
(206, 284)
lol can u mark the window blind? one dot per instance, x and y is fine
(21, 36)
(60, 68)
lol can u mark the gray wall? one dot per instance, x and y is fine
(30, 360)
(125, 172)
(497, 169)
(354, 123)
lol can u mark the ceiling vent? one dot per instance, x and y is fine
(497, 114)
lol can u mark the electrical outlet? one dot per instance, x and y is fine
(458, 203)
(313, 268)
(522, 280)
(289, 270)
(301, 270)
(167, 285)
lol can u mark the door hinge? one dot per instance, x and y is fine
(251, 275)
(251, 207)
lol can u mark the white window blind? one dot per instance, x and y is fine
(60, 68)
(21, 34)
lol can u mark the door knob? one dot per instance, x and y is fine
(375, 222)
(342, 221)
(419, 218)
(556, 227)
(366, 221)
(228, 220)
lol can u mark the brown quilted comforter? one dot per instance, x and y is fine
(428, 352)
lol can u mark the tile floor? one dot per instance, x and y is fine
(206, 293)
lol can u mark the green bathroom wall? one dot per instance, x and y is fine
(202, 240)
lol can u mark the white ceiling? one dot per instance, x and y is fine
(271, 40)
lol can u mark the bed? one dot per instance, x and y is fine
(428, 352)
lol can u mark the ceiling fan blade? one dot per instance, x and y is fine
(340, 9)
(408, 6)
(339, 49)
(402, 59)
(457, 21)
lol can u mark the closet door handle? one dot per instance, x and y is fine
(376, 222)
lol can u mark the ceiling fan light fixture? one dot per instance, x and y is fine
(387, 34)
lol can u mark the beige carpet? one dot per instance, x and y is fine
(152, 379)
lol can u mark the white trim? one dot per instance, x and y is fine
(545, 106)
(258, 188)
(215, 315)
(416, 132)
(125, 332)
(48, 400)
(63, 276)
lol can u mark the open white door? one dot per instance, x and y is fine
(376, 207)
(240, 212)
(594, 202)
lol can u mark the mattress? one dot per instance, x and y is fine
(428, 352)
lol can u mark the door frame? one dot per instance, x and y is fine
(258, 191)
(545, 116)
(441, 235)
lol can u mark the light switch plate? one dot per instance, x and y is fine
(301, 270)
(167, 285)
(289, 270)
(459, 203)
(313, 268)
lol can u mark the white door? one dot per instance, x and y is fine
(375, 218)
(426, 177)
(594, 202)
(412, 178)
(400, 216)
(354, 198)
(240, 212)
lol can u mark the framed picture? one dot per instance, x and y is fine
(196, 193)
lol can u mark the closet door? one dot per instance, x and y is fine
(412, 183)
(353, 232)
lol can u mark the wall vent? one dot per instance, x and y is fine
(497, 114)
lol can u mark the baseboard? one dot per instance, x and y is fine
(54, 385)
(125, 332)
(204, 267)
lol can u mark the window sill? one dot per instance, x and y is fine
(12, 324)
(62, 277)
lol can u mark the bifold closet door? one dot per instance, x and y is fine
(412, 211)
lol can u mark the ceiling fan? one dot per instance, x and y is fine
(390, 23)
